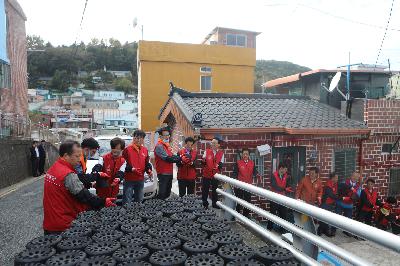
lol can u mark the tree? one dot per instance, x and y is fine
(124, 84)
(34, 42)
(61, 80)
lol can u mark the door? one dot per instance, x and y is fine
(295, 160)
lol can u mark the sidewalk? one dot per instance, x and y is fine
(7, 190)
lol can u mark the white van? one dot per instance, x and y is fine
(150, 182)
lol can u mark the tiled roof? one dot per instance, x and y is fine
(222, 110)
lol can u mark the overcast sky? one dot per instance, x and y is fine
(313, 33)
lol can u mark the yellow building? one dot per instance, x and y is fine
(195, 67)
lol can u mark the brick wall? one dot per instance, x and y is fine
(383, 117)
(15, 99)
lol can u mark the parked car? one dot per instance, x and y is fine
(150, 182)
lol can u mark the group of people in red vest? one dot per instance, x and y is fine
(67, 182)
(341, 198)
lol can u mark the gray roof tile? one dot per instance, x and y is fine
(260, 110)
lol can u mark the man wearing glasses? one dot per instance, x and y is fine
(164, 159)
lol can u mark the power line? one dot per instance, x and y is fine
(80, 28)
(384, 35)
(347, 19)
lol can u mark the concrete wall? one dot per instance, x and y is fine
(15, 164)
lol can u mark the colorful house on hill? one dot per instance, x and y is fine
(213, 66)
(301, 132)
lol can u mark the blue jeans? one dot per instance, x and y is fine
(344, 209)
(132, 188)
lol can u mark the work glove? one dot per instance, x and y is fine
(104, 175)
(220, 166)
(289, 190)
(128, 168)
(346, 198)
(97, 168)
(120, 175)
(185, 159)
(110, 202)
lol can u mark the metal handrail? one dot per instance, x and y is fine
(271, 237)
(373, 234)
(338, 251)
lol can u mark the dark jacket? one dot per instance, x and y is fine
(42, 152)
(33, 153)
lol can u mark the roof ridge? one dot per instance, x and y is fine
(184, 93)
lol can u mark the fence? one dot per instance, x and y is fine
(14, 126)
(301, 249)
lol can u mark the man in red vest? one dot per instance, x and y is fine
(279, 184)
(368, 202)
(213, 160)
(329, 198)
(386, 214)
(246, 171)
(186, 168)
(165, 160)
(137, 163)
(113, 165)
(64, 195)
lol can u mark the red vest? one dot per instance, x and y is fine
(351, 191)
(136, 160)
(280, 182)
(211, 166)
(371, 197)
(245, 171)
(110, 166)
(163, 167)
(187, 171)
(60, 207)
(334, 188)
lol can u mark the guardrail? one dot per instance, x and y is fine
(364, 231)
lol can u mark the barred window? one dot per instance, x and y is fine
(345, 163)
(394, 182)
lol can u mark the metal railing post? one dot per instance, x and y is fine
(319, 241)
(378, 236)
(270, 236)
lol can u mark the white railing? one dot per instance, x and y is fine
(364, 231)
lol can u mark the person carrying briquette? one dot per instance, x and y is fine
(329, 198)
(369, 202)
(186, 168)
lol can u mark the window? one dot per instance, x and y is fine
(5, 75)
(236, 40)
(387, 148)
(345, 163)
(205, 69)
(394, 182)
(257, 159)
(205, 83)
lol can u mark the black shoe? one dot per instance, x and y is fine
(205, 206)
(216, 206)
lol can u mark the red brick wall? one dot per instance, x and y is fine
(383, 117)
(15, 99)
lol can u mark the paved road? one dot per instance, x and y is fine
(21, 216)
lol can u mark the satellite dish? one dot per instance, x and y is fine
(335, 81)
